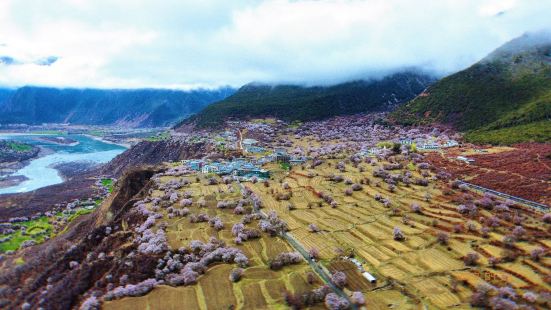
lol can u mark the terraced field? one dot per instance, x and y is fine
(418, 271)
(259, 288)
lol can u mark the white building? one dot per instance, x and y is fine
(249, 142)
(369, 277)
(451, 143)
(465, 159)
(429, 146)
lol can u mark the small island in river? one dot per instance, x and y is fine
(59, 140)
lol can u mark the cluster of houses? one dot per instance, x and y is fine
(244, 168)
(278, 155)
(250, 146)
(429, 144)
(226, 140)
(420, 144)
(240, 168)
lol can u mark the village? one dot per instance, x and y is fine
(255, 153)
(343, 212)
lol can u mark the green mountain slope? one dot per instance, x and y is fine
(505, 98)
(291, 102)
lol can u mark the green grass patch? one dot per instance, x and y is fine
(36, 230)
(49, 132)
(107, 183)
(96, 133)
(161, 136)
(19, 147)
(79, 213)
(385, 144)
(295, 124)
(285, 166)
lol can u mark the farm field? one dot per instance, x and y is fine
(356, 213)
(259, 288)
(419, 271)
(523, 170)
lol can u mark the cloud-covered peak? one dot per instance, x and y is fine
(183, 44)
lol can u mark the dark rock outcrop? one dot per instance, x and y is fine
(151, 153)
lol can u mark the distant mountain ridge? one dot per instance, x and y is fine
(5, 94)
(504, 98)
(292, 102)
(133, 108)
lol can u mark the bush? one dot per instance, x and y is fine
(358, 298)
(537, 253)
(339, 279)
(90, 303)
(334, 302)
(443, 238)
(482, 294)
(519, 232)
(133, 290)
(236, 274)
(416, 208)
(397, 234)
(313, 228)
(471, 259)
(284, 259)
(314, 253)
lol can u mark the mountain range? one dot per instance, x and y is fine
(502, 99)
(132, 108)
(300, 103)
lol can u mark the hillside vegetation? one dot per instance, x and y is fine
(505, 98)
(292, 102)
(134, 108)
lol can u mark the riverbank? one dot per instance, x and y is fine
(69, 170)
(62, 162)
(100, 139)
(60, 140)
(12, 180)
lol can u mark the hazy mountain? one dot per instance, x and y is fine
(292, 102)
(5, 94)
(504, 98)
(135, 108)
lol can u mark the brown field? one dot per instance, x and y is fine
(523, 170)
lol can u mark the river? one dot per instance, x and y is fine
(40, 173)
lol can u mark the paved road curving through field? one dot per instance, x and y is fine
(317, 269)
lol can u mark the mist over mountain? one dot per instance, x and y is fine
(133, 108)
(503, 98)
(301, 103)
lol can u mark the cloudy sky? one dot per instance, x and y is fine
(208, 43)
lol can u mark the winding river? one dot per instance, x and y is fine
(40, 173)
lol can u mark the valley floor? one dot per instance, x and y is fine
(173, 236)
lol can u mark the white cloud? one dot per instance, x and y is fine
(131, 43)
